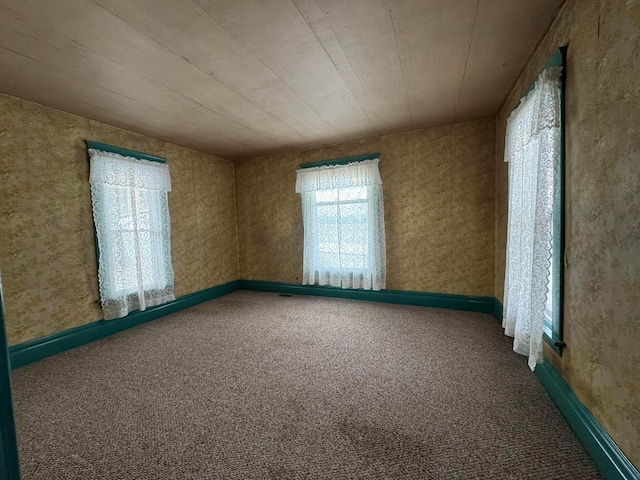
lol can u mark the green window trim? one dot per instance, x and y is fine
(557, 269)
(124, 151)
(553, 334)
(341, 161)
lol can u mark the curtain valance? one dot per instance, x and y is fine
(108, 168)
(328, 177)
(536, 112)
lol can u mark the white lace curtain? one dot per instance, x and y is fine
(532, 150)
(343, 217)
(131, 215)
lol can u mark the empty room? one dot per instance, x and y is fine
(319, 239)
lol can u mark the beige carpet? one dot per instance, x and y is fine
(260, 386)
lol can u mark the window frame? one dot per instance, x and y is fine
(555, 340)
(370, 254)
(553, 327)
(125, 153)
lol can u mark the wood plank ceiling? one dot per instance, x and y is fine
(244, 78)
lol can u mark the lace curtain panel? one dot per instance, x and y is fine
(343, 217)
(131, 215)
(532, 150)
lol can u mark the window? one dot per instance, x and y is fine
(535, 152)
(131, 215)
(342, 209)
(344, 213)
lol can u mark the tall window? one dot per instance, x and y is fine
(131, 215)
(533, 278)
(343, 216)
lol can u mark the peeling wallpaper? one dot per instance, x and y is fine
(47, 245)
(439, 209)
(602, 276)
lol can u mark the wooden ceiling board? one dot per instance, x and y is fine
(493, 63)
(361, 35)
(275, 31)
(319, 24)
(104, 33)
(244, 78)
(189, 32)
(102, 105)
(433, 41)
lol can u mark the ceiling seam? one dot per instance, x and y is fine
(355, 98)
(269, 68)
(466, 62)
(100, 87)
(248, 127)
(404, 78)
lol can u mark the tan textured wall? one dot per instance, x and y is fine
(602, 283)
(439, 209)
(47, 246)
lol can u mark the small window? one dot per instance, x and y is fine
(343, 217)
(131, 213)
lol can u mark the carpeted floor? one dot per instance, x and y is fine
(260, 386)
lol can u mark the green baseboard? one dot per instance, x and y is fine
(39, 348)
(497, 309)
(9, 464)
(611, 461)
(438, 300)
(606, 454)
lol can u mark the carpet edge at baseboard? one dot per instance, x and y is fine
(470, 303)
(39, 348)
(607, 455)
(611, 461)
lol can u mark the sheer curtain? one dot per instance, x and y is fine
(532, 150)
(131, 215)
(343, 217)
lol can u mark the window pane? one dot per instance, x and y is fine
(342, 219)
(124, 260)
(352, 193)
(354, 235)
(327, 195)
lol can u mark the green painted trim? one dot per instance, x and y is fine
(39, 348)
(438, 300)
(558, 59)
(9, 462)
(557, 270)
(497, 309)
(554, 343)
(607, 455)
(341, 161)
(34, 350)
(124, 152)
(559, 217)
(611, 461)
